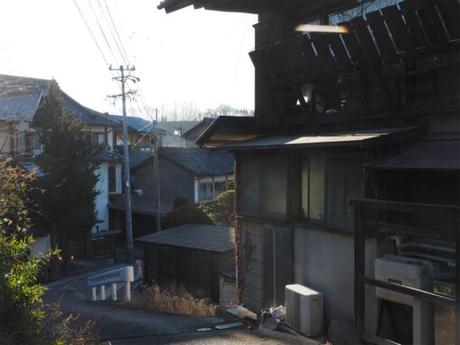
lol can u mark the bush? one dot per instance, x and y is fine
(24, 319)
(222, 209)
(186, 215)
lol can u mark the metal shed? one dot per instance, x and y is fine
(191, 255)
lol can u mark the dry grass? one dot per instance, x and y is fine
(174, 300)
(68, 330)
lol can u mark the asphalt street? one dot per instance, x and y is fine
(122, 325)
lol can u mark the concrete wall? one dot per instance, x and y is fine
(324, 261)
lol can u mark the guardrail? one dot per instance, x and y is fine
(120, 275)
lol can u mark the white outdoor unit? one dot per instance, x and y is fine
(414, 273)
(304, 309)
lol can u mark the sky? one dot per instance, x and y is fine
(190, 56)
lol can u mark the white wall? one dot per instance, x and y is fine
(102, 199)
(324, 261)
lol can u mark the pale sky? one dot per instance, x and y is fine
(189, 56)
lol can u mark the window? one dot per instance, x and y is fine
(209, 190)
(112, 179)
(313, 188)
(345, 180)
(263, 186)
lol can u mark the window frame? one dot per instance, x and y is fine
(301, 213)
(260, 210)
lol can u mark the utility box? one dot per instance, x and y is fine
(414, 273)
(402, 271)
(304, 309)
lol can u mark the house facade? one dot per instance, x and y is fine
(19, 99)
(352, 155)
(192, 174)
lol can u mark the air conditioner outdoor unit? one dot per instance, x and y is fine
(304, 309)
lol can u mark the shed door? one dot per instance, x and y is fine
(278, 263)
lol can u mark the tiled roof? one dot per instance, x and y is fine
(138, 124)
(197, 161)
(194, 236)
(21, 96)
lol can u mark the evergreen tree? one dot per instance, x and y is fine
(68, 179)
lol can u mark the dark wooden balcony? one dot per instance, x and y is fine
(399, 60)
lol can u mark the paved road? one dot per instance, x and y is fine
(127, 326)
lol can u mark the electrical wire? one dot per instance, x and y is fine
(91, 33)
(116, 31)
(101, 30)
(125, 61)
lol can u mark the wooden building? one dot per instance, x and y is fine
(191, 255)
(193, 174)
(352, 153)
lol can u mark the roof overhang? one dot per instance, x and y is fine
(220, 137)
(255, 6)
(228, 129)
(440, 154)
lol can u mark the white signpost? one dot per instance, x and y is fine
(119, 275)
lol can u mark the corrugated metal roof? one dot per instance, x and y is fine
(211, 238)
(324, 139)
(428, 154)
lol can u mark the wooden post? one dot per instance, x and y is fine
(359, 242)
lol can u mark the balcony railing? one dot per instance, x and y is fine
(379, 217)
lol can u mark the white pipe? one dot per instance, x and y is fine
(114, 291)
(127, 296)
(93, 293)
(103, 292)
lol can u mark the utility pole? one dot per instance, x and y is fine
(123, 78)
(156, 175)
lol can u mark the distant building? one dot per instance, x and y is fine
(20, 98)
(191, 173)
(191, 135)
(140, 131)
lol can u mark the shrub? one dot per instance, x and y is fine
(174, 300)
(222, 209)
(186, 215)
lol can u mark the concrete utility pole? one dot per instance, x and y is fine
(123, 78)
(156, 174)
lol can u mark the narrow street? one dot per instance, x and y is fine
(125, 326)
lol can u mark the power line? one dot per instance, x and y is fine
(125, 61)
(91, 32)
(116, 30)
(102, 30)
